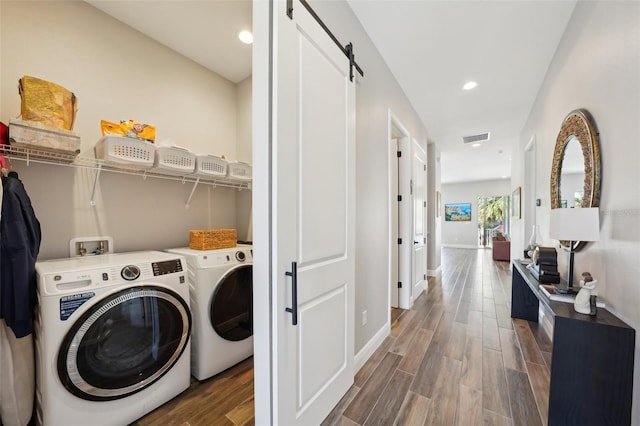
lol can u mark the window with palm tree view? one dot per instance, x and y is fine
(492, 217)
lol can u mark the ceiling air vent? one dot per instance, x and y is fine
(482, 137)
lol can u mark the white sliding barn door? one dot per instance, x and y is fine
(312, 220)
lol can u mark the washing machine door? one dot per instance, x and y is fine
(231, 308)
(124, 343)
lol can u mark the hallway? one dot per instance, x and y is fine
(456, 358)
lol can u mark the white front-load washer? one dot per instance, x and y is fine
(112, 337)
(221, 288)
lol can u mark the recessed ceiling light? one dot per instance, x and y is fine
(475, 145)
(246, 37)
(470, 85)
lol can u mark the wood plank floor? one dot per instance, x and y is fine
(455, 358)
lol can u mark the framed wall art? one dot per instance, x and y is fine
(516, 203)
(459, 212)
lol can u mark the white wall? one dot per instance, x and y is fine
(117, 73)
(465, 234)
(597, 67)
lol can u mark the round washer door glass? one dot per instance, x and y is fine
(124, 343)
(231, 310)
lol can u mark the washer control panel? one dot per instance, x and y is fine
(166, 267)
(228, 257)
(86, 274)
(130, 272)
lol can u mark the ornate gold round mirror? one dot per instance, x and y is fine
(575, 171)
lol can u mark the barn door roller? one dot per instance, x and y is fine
(347, 50)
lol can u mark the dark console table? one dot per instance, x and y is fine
(592, 358)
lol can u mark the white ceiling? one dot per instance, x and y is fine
(205, 31)
(432, 47)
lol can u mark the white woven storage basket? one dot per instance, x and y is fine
(237, 170)
(210, 166)
(125, 151)
(175, 160)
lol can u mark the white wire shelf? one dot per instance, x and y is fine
(70, 160)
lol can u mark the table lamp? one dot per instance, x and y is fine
(573, 225)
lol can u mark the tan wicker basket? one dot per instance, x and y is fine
(210, 239)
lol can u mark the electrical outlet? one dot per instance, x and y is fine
(364, 317)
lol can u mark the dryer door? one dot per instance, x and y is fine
(231, 308)
(124, 343)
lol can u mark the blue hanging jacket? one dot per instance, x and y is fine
(19, 246)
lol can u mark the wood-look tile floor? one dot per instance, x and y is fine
(455, 358)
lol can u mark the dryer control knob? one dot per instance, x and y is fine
(240, 256)
(130, 272)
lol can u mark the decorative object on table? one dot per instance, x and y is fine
(534, 240)
(585, 301)
(573, 225)
(544, 265)
(459, 212)
(515, 203)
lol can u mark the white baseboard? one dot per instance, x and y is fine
(434, 273)
(374, 343)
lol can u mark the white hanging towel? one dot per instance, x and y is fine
(17, 377)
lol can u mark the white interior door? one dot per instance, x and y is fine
(313, 202)
(419, 196)
(394, 214)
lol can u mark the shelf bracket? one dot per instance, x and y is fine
(195, 184)
(95, 184)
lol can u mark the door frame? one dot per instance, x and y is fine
(415, 148)
(261, 195)
(400, 214)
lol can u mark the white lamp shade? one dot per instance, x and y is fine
(576, 224)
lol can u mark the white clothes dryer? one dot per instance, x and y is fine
(112, 337)
(221, 288)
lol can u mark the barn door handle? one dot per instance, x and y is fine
(293, 310)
